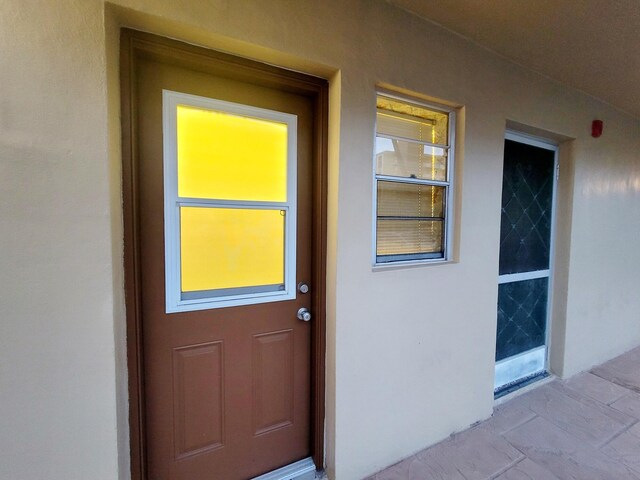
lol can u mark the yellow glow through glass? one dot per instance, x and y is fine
(230, 157)
(231, 248)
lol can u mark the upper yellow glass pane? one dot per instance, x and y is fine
(223, 248)
(230, 157)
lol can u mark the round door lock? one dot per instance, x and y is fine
(303, 287)
(304, 314)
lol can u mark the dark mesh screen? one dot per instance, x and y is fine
(522, 314)
(527, 189)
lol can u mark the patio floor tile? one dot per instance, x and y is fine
(508, 416)
(625, 448)
(560, 453)
(622, 370)
(584, 428)
(596, 388)
(527, 470)
(594, 424)
(476, 454)
(629, 404)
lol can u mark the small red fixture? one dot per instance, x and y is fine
(596, 128)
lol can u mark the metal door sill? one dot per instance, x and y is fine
(301, 470)
(519, 367)
(519, 384)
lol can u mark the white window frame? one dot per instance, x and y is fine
(448, 183)
(172, 203)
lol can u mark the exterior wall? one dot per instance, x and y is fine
(410, 351)
(57, 363)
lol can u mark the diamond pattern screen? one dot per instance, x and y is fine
(527, 189)
(522, 316)
(525, 242)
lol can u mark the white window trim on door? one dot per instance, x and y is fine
(536, 360)
(172, 203)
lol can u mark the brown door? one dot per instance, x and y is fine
(226, 369)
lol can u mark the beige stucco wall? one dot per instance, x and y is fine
(410, 351)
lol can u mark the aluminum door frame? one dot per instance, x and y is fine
(553, 146)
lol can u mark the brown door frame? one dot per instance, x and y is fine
(135, 45)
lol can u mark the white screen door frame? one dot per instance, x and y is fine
(524, 365)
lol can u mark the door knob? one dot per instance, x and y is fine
(304, 314)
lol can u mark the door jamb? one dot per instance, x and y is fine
(135, 45)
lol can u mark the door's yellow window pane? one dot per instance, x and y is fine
(230, 157)
(225, 248)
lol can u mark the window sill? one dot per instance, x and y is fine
(378, 267)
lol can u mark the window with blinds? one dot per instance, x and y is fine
(413, 175)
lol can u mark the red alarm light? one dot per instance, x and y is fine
(596, 128)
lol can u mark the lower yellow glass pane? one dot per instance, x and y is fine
(225, 248)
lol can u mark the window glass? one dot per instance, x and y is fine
(226, 248)
(403, 119)
(401, 239)
(230, 211)
(230, 157)
(407, 200)
(410, 160)
(412, 166)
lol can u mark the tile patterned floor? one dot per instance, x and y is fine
(584, 428)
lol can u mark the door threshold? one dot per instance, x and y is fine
(519, 367)
(301, 470)
(536, 383)
(519, 384)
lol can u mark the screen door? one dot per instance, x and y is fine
(525, 253)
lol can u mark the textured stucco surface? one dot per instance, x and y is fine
(410, 351)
